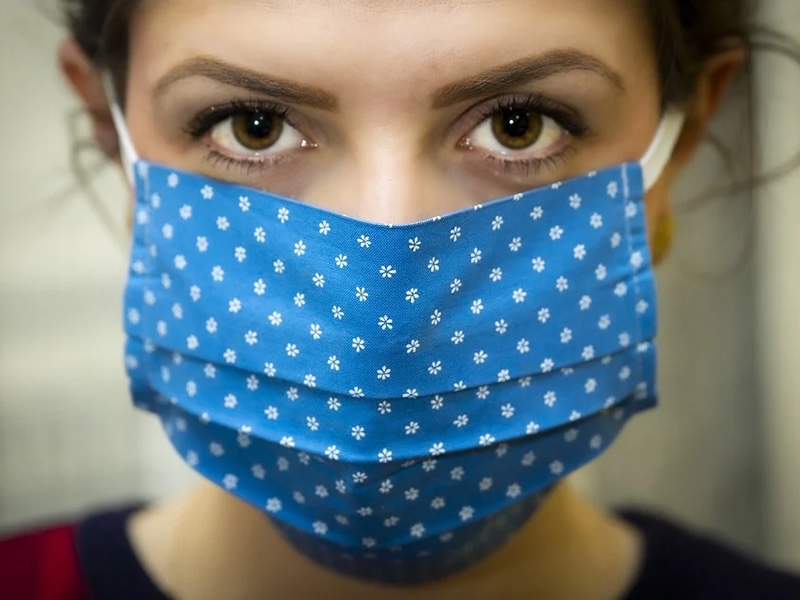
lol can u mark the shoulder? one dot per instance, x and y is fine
(679, 563)
(42, 564)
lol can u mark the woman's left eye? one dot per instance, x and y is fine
(255, 133)
(517, 132)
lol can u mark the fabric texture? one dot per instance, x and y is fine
(397, 397)
(93, 560)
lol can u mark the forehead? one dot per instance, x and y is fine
(342, 43)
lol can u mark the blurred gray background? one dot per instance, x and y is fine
(721, 453)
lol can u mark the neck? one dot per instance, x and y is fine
(209, 544)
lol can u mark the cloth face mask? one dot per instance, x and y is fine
(397, 398)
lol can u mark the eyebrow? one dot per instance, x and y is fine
(523, 71)
(233, 75)
(493, 81)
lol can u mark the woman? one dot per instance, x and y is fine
(384, 372)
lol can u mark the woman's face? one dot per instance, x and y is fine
(392, 111)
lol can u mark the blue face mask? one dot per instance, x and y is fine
(398, 399)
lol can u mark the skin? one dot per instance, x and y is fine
(387, 153)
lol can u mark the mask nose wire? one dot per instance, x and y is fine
(126, 149)
(660, 151)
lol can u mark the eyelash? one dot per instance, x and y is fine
(205, 121)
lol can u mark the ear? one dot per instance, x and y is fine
(86, 82)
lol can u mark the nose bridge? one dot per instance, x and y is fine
(392, 182)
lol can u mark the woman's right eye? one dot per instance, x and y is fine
(252, 134)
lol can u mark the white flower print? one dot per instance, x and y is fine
(275, 318)
(387, 271)
(596, 442)
(166, 281)
(507, 410)
(616, 240)
(172, 180)
(334, 404)
(358, 344)
(412, 346)
(252, 383)
(299, 300)
(412, 428)
(384, 407)
(216, 449)
(590, 386)
(532, 428)
(556, 232)
(588, 353)
(515, 245)
(223, 223)
(391, 521)
(310, 380)
(497, 223)
(433, 265)
(458, 337)
(514, 490)
(361, 294)
(562, 284)
(571, 435)
(292, 394)
(414, 244)
(457, 473)
(259, 287)
(575, 201)
(177, 311)
(272, 413)
(292, 350)
(461, 421)
(218, 274)
(364, 241)
(235, 305)
(319, 280)
(386, 486)
(466, 513)
(324, 227)
(315, 331)
(601, 272)
(251, 337)
(300, 248)
(637, 260)
(556, 467)
(320, 528)
(411, 393)
(385, 456)
(550, 399)
(519, 295)
(579, 252)
(192, 343)
(211, 325)
(332, 452)
(437, 402)
(496, 274)
(384, 373)
(436, 449)
(341, 261)
(195, 293)
(624, 339)
(361, 477)
(585, 302)
(180, 262)
(621, 289)
(411, 494)
(258, 471)
(435, 367)
(503, 376)
(596, 221)
(337, 312)
(287, 441)
(483, 392)
(260, 235)
(455, 286)
(486, 439)
(191, 386)
(544, 315)
(501, 326)
(528, 459)
(477, 307)
(475, 256)
(612, 189)
(642, 306)
(229, 356)
(604, 322)
(429, 465)
(523, 346)
(185, 212)
(455, 233)
(459, 386)
(537, 213)
(283, 215)
(412, 295)
(274, 505)
(207, 192)
(334, 363)
(167, 231)
(269, 369)
(321, 491)
(485, 484)
(630, 210)
(480, 357)
(437, 503)
(279, 266)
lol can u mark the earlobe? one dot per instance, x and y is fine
(85, 81)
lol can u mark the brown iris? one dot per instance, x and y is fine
(257, 130)
(517, 128)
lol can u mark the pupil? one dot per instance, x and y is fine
(516, 122)
(259, 125)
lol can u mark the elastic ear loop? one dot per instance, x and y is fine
(660, 151)
(126, 150)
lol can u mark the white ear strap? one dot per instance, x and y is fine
(126, 149)
(660, 151)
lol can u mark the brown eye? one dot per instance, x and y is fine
(256, 130)
(517, 128)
